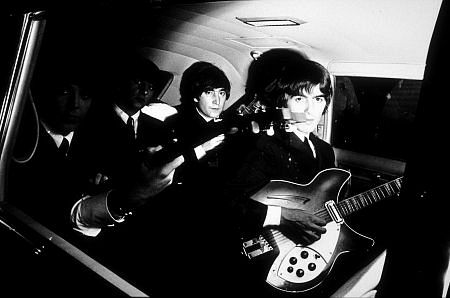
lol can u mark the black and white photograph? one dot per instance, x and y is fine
(242, 148)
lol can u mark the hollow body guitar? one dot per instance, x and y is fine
(298, 268)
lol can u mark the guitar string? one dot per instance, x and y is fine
(357, 202)
(346, 207)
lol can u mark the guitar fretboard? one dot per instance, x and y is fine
(365, 199)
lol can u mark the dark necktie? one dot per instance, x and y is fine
(64, 147)
(308, 147)
(130, 128)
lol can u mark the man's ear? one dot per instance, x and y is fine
(195, 99)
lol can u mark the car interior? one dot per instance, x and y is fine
(386, 59)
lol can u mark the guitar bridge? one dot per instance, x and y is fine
(255, 247)
(334, 212)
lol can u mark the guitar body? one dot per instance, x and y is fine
(298, 268)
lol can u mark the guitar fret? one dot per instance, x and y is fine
(370, 195)
(376, 196)
(344, 208)
(367, 197)
(353, 202)
(359, 204)
(366, 200)
(349, 205)
(387, 190)
(341, 208)
(391, 188)
(356, 204)
(383, 193)
(397, 183)
(379, 191)
(363, 201)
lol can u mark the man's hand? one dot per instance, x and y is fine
(150, 180)
(213, 143)
(302, 225)
(153, 180)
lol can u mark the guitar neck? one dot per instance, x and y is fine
(365, 199)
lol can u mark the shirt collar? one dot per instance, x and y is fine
(207, 118)
(124, 116)
(58, 138)
(301, 135)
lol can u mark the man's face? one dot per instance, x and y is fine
(211, 102)
(311, 105)
(70, 108)
(137, 94)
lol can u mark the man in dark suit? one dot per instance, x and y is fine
(204, 88)
(120, 137)
(46, 174)
(293, 153)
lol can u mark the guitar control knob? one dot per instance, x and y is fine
(304, 254)
(290, 269)
(312, 266)
(300, 272)
(293, 260)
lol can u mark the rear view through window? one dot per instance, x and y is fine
(375, 115)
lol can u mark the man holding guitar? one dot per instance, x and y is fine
(303, 89)
(293, 153)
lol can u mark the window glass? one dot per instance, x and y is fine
(10, 26)
(375, 115)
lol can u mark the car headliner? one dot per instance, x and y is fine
(382, 38)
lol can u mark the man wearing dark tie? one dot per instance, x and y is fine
(293, 153)
(49, 152)
(119, 134)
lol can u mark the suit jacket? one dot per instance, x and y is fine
(282, 156)
(49, 183)
(176, 238)
(192, 130)
(113, 153)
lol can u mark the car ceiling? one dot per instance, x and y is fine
(381, 38)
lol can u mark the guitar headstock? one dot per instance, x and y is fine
(257, 117)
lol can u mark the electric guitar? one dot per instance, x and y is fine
(293, 267)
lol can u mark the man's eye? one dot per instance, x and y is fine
(320, 98)
(222, 93)
(209, 92)
(65, 91)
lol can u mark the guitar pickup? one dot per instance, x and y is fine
(334, 212)
(255, 247)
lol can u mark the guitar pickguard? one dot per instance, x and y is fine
(299, 265)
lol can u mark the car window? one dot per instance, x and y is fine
(10, 31)
(374, 115)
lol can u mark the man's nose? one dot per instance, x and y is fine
(76, 98)
(216, 98)
(308, 104)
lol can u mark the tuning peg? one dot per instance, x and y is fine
(270, 132)
(255, 127)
